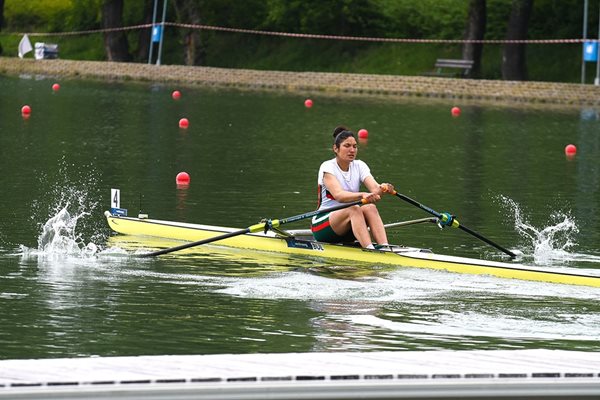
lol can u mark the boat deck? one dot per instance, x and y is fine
(494, 374)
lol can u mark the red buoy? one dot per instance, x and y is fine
(455, 111)
(308, 103)
(56, 87)
(184, 123)
(570, 150)
(25, 110)
(176, 95)
(363, 133)
(182, 178)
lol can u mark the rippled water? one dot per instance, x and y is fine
(216, 299)
(69, 287)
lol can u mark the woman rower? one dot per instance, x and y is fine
(339, 181)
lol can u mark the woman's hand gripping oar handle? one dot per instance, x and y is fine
(447, 219)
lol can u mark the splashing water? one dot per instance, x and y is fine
(548, 244)
(59, 236)
(66, 199)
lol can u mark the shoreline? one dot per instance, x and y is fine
(327, 83)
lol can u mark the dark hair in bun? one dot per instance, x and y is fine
(341, 133)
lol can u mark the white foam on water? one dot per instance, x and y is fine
(475, 324)
(434, 304)
(417, 286)
(304, 286)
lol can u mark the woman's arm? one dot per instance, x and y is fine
(343, 196)
(376, 188)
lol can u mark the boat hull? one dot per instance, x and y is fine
(401, 257)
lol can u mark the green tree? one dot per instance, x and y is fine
(1, 20)
(143, 37)
(328, 17)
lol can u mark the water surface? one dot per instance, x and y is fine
(250, 155)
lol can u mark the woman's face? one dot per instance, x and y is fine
(347, 149)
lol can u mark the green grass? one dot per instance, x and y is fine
(551, 62)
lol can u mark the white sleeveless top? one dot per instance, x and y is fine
(350, 181)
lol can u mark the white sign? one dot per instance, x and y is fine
(115, 198)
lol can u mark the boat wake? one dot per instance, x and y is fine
(552, 244)
(432, 308)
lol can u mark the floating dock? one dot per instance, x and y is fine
(494, 374)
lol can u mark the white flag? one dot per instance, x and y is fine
(24, 46)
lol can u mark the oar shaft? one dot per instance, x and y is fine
(460, 226)
(275, 223)
(407, 223)
(198, 243)
(417, 204)
(317, 212)
(488, 241)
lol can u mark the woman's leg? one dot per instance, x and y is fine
(351, 218)
(373, 220)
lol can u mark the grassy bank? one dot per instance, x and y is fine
(551, 62)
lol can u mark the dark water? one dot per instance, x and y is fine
(501, 170)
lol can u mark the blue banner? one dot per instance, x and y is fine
(156, 33)
(590, 51)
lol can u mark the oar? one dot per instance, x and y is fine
(307, 232)
(448, 220)
(407, 223)
(262, 226)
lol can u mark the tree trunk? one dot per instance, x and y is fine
(144, 35)
(188, 12)
(475, 31)
(1, 14)
(115, 43)
(514, 66)
(1, 20)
